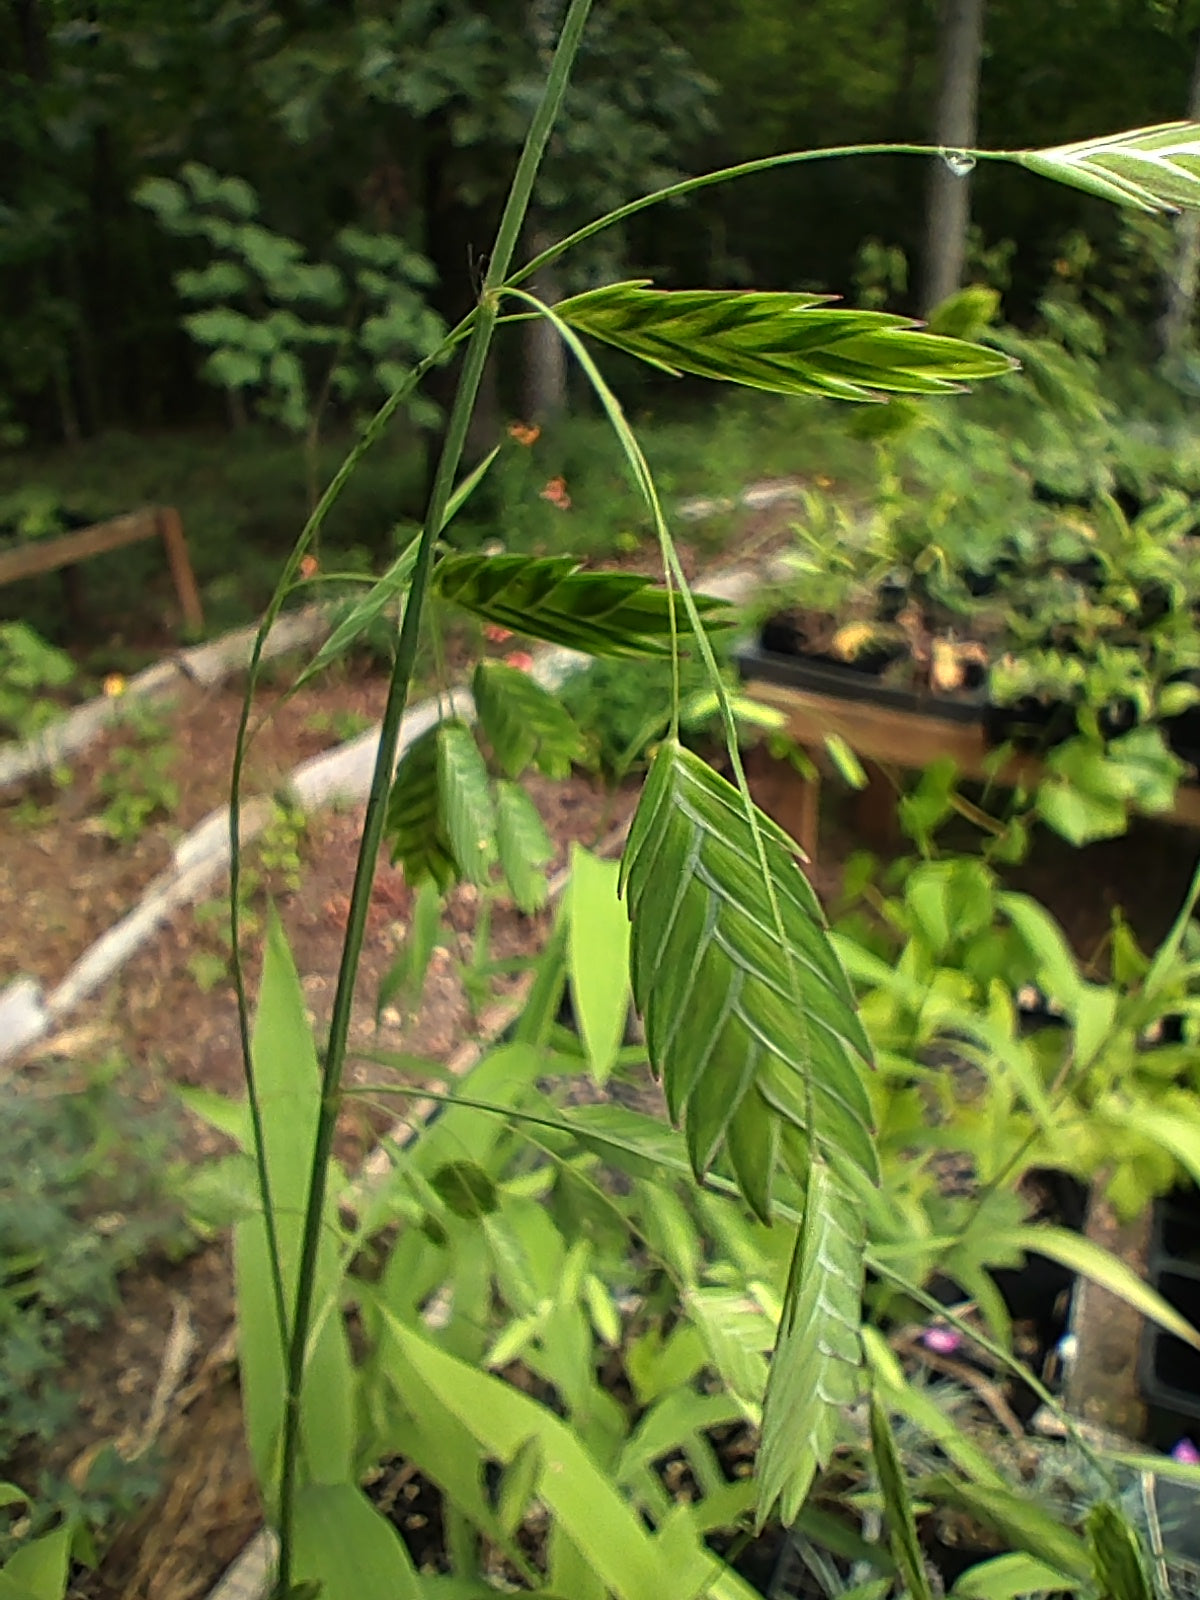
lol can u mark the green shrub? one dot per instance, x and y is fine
(82, 1197)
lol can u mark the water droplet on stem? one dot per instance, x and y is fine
(959, 162)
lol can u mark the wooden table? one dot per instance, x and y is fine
(908, 740)
(153, 522)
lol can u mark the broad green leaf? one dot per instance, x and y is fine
(228, 1116)
(897, 1503)
(415, 826)
(815, 1369)
(1176, 1130)
(523, 845)
(1012, 1577)
(285, 1065)
(548, 597)
(597, 957)
(668, 1425)
(363, 614)
(784, 343)
(1149, 770)
(525, 724)
(1082, 1256)
(1081, 818)
(639, 1144)
(749, 1016)
(39, 1568)
(467, 814)
(738, 1336)
(1095, 1011)
(1122, 1570)
(1152, 169)
(576, 1491)
(1057, 969)
(349, 1548)
(10, 1589)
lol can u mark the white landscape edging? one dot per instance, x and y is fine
(28, 1015)
(205, 664)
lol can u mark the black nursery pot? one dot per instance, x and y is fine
(1170, 1369)
(1183, 731)
(1029, 723)
(779, 657)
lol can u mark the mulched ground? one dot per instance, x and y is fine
(63, 882)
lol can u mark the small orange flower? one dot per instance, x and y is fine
(114, 686)
(309, 566)
(525, 436)
(495, 634)
(521, 660)
(556, 493)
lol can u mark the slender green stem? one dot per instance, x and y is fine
(464, 401)
(311, 529)
(743, 169)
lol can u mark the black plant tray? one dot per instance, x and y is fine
(841, 682)
(1170, 1369)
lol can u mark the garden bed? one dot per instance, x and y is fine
(77, 853)
(155, 1017)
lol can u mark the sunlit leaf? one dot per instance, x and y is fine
(597, 957)
(1083, 1256)
(415, 826)
(785, 343)
(815, 1369)
(468, 816)
(525, 724)
(1012, 1577)
(38, 1569)
(747, 1022)
(523, 845)
(285, 1064)
(548, 597)
(1020, 1519)
(349, 1548)
(1152, 169)
(578, 1493)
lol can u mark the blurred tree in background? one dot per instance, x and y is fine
(399, 118)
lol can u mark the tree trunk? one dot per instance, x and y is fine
(544, 392)
(1184, 272)
(32, 35)
(457, 237)
(960, 52)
